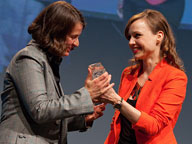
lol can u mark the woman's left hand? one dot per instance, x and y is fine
(98, 112)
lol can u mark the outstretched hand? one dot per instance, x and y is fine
(110, 96)
(99, 85)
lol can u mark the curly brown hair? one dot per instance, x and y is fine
(51, 26)
(157, 22)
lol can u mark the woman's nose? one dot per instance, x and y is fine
(76, 42)
(131, 41)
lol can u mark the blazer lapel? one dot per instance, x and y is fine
(128, 85)
(60, 87)
(144, 97)
(55, 84)
(53, 78)
(33, 43)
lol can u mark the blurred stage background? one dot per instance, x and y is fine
(102, 41)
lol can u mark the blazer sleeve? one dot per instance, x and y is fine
(29, 79)
(167, 107)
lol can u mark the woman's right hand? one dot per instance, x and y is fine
(110, 96)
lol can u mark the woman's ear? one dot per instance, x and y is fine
(160, 36)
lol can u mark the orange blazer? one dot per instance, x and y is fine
(160, 102)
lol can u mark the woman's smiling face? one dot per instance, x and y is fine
(142, 41)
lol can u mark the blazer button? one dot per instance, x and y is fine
(21, 136)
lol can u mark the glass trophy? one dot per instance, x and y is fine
(97, 69)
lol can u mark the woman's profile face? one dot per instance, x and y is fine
(72, 39)
(142, 42)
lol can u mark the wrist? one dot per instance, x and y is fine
(116, 99)
(87, 124)
(117, 104)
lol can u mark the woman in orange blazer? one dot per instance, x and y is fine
(152, 91)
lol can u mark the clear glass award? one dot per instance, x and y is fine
(97, 69)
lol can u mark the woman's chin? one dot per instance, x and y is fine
(66, 54)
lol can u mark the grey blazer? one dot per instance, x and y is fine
(34, 111)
